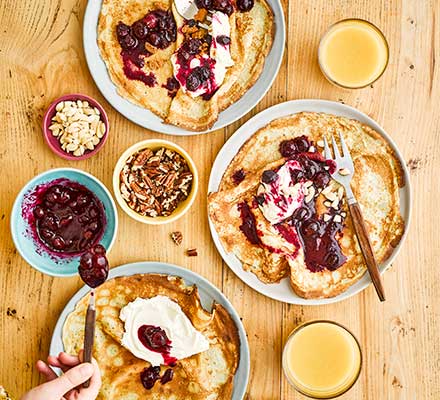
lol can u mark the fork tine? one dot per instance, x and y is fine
(335, 149)
(327, 152)
(345, 152)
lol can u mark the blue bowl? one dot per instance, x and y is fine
(30, 248)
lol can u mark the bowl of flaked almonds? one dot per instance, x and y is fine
(155, 181)
(75, 126)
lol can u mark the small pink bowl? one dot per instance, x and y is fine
(53, 141)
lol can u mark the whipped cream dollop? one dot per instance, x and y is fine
(214, 64)
(162, 312)
(279, 196)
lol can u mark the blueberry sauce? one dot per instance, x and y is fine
(155, 339)
(93, 266)
(248, 226)
(157, 29)
(238, 176)
(67, 217)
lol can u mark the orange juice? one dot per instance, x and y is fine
(353, 53)
(322, 359)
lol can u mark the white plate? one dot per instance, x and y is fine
(282, 291)
(146, 118)
(208, 294)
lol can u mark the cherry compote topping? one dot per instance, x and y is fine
(238, 176)
(158, 29)
(305, 227)
(149, 376)
(248, 226)
(172, 86)
(244, 5)
(155, 339)
(93, 266)
(68, 217)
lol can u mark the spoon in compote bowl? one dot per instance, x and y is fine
(93, 269)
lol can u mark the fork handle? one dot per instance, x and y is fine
(366, 248)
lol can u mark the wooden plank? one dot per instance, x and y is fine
(42, 58)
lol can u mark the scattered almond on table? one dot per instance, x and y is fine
(78, 126)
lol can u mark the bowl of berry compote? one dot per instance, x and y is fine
(58, 216)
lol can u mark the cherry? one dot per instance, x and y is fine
(193, 82)
(140, 29)
(39, 212)
(50, 221)
(58, 243)
(167, 376)
(46, 234)
(64, 197)
(93, 267)
(82, 200)
(244, 5)
(52, 197)
(151, 20)
(149, 376)
(310, 228)
(269, 176)
(238, 176)
(129, 42)
(223, 40)
(122, 29)
(297, 175)
(93, 226)
(332, 260)
(154, 39)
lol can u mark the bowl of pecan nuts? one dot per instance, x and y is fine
(155, 181)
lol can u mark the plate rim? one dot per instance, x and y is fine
(108, 89)
(154, 267)
(249, 128)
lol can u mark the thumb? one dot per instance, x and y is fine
(70, 380)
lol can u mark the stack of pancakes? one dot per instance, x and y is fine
(377, 178)
(251, 40)
(207, 375)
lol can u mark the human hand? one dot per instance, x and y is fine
(67, 386)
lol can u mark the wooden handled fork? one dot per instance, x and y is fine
(343, 175)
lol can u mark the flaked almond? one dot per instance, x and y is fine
(337, 218)
(327, 217)
(344, 171)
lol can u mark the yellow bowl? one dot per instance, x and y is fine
(155, 144)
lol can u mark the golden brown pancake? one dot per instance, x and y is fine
(376, 182)
(251, 40)
(207, 375)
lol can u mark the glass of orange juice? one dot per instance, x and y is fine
(353, 53)
(322, 359)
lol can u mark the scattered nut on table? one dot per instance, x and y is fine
(78, 126)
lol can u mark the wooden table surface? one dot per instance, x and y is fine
(42, 58)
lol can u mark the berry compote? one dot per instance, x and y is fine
(157, 29)
(155, 339)
(68, 217)
(305, 228)
(93, 266)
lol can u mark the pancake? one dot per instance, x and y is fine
(207, 375)
(376, 182)
(251, 39)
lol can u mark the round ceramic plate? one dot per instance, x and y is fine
(282, 291)
(146, 118)
(208, 294)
